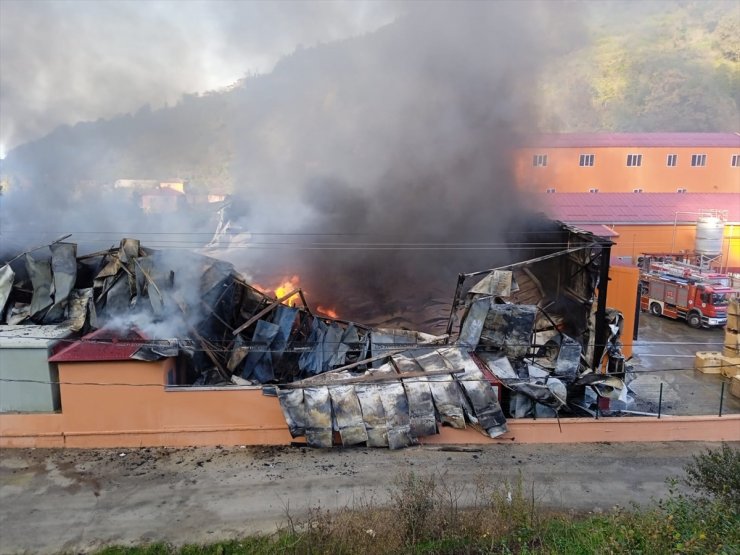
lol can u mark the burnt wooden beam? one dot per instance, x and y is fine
(267, 309)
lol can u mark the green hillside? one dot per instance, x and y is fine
(649, 67)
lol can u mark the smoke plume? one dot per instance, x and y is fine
(375, 167)
(392, 154)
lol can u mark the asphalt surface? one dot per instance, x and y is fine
(664, 353)
(79, 500)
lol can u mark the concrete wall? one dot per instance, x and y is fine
(143, 412)
(27, 363)
(610, 173)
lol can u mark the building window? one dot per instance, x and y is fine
(586, 160)
(637, 190)
(539, 160)
(671, 160)
(550, 191)
(593, 190)
(680, 190)
(698, 160)
(634, 160)
(735, 163)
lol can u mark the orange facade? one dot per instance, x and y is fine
(634, 240)
(148, 413)
(622, 295)
(561, 170)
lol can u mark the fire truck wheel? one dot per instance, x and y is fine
(694, 320)
(655, 309)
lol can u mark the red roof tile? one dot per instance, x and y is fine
(638, 208)
(596, 140)
(100, 346)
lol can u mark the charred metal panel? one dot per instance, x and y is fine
(64, 270)
(118, 297)
(396, 407)
(509, 327)
(421, 407)
(486, 410)
(445, 391)
(319, 431)
(258, 365)
(294, 410)
(334, 351)
(498, 283)
(348, 415)
(284, 318)
(312, 362)
(39, 270)
(474, 321)
(81, 309)
(405, 364)
(499, 365)
(7, 275)
(373, 414)
(569, 360)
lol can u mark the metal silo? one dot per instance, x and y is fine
(709, 235)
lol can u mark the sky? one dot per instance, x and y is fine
(79, 60)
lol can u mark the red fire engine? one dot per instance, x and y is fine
(683, 291)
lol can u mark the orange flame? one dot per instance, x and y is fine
(286, 287)
(330, 312)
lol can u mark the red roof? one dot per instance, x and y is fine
(100, 346)
(596, 140)
(638, 208)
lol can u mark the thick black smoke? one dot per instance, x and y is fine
(392, 154)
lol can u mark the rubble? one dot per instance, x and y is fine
(532, 333)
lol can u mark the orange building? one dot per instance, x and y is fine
(630, 162)
(651, 222)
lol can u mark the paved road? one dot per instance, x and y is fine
(74, 500)
(665, 354)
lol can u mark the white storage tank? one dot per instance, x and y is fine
(710, 232)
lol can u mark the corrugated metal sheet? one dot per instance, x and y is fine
(638, 208)
(605, 140)
(100, 346)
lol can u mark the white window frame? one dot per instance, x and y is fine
(698, 158)
(637, 190)
(586, 160)
(681, 190)
(671, 158)
(593, 190)
(634, 160)
(550, 191)
(735, 161)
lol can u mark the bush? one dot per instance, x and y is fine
(716, 474)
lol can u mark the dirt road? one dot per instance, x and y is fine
(73, 500)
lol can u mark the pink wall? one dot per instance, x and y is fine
(145, 413)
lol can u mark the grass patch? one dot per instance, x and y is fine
(425, 515)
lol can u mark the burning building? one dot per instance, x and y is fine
(531, 338)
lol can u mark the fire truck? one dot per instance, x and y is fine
(686, 292)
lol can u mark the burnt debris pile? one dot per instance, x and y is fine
(532, 339)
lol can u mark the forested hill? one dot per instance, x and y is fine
(659, 66)
(663, 66)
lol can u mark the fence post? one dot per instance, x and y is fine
(721, 397)
(660, 399)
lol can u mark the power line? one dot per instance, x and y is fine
(392, 377)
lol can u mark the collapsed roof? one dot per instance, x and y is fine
(536, 328)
